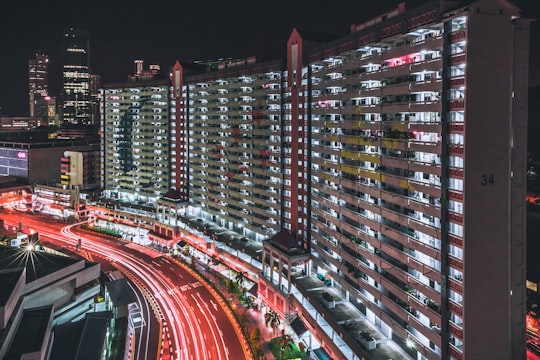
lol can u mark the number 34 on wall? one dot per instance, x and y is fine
(487, 179)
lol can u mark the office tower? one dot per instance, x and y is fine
(37, 81)
(95, 85)
(53, 118)
(136, 139)
(76, 75)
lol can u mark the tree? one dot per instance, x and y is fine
(240, 277)
(255, 341)
(255, 336)
(271, 319)
(231, 286)
(250, 304)
(284, 343)
(243, 320)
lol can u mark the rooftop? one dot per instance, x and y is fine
(120, 292)
(38, 264)
(31, 332)
(80, 340)
(287, 242)
(8, 280)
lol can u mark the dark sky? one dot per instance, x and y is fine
(161, 32)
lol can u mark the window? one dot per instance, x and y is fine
(455, 184)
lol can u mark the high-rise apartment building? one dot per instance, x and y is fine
(139, 146)
(383, 173)
(235, 147)
(77, 101)
(37, 82)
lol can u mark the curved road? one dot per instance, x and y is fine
(193, 323)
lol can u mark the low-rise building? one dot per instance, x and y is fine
(39, 290)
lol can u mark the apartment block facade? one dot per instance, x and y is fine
(235, 148)
(395, 159)
(136, 139)
(417, 177)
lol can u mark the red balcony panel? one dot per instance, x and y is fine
(454, 330)
(457, 59)
(458, 173)
(454, 285)
(457, 127)
(456, 241)
(455, 353)
(457, 218)
(455, 195)
(455, 308)
(455, 149)
(457, 81)
(458, 35)
(456, 104)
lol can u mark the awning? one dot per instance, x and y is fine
(254, 291)
(159, 236)
(298, 327)
(181, 243)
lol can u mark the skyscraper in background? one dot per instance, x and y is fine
(37, 81)
(76, 78)
(95, 85)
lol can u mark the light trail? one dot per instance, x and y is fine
(164, 311)
(186, 331)
(165, 293)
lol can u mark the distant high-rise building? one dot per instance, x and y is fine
(95, 85)
(37, 81)
(80, 168)
(154, 68)
(52, 116)
(138, 66)
(76, 74)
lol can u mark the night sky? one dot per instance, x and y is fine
(161, 32)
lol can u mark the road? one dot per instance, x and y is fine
(193, 323)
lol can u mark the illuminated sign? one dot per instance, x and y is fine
(21, 155)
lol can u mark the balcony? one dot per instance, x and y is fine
(357, 331)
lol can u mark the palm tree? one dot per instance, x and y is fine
(271, 319)
(284, 343)
(250, 304)
(240, 277)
